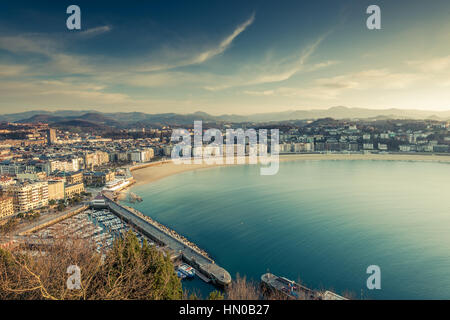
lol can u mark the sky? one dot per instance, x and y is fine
(223, 57)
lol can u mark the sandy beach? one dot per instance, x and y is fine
(155, 171)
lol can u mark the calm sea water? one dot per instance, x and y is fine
(323, 222)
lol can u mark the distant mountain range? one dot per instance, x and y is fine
(90, 118)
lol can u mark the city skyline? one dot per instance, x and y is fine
(233, 58)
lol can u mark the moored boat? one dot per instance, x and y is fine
(187, 270)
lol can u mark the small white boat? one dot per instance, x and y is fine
(187, 270)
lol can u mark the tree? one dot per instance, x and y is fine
(43, 275)
(216, 295)
(241, 289)
(9, 226)
(132, 271)
(128, 271)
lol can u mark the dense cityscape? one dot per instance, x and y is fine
(42, 166)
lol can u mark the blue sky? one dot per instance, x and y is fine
(224, 56)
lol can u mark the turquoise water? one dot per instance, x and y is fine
(323, 222)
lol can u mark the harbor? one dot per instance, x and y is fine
(179, 248)
(100, 227)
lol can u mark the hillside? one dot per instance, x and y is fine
(140, 119)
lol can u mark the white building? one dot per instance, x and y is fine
(285, 148)
(71, 165)
(142, 155)
(15, 168)
(303, 147)
(405, 148)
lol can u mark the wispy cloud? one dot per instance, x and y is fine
(432, 65)
(370, 79)
(333, 87)
(66, 93)
(204, 56)
(260, 93)
(292, 68)
(33, 43)
(58, 61)
(313, 92)
(58, 92)
(38, 44)
(274, 71)
(181, 60)
(11, 70)
(95, 31)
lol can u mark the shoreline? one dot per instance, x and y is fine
(152, 172)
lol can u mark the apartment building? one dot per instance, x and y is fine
(303, 147)
(6, 206)
(29, 195)
(61, 165)
(73, 189)
(71, 177)
(6, 181)
(31, 176)
(56, 189)
(11, 168)
(94, 159)
(51, 136)
(141, 155)
(97, 178)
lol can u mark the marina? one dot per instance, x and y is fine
(178, 249)
(102, 227)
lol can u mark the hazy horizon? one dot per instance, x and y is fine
(54, 110)
(224, 58)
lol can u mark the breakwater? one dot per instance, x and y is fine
(170, 232)
(188, 252)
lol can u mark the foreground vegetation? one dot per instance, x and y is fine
(128, 271)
